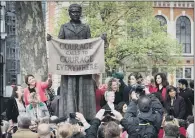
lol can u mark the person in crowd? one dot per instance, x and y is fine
(175, 104)
(190, 128)
(50, 93)
(161, 84)
(109, 106)
(171, 131)
(36, 109)
(188, 96)
(145, 122)
(4, 129)
(24, 121)
(65, 130)
(99, 94)
(112, 130)
(100, 133)
(192, 87)
(133, 79)
(120, 77)
(15, 106)
(150, 84)
(35, 86)
(44, 131)
(192, 84)
(110, 98)
(91, 132)
(34, 125)
(113, 85)
(122, 108)
(168, 119)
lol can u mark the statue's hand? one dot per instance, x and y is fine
(49, 37)
(104, 36)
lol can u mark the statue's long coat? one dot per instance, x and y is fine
(77, 92)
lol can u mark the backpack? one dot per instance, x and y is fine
(146, 131)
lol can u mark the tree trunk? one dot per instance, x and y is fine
(30, 31)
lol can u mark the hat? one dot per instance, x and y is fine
(118, 75)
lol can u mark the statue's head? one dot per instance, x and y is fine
(75, 12)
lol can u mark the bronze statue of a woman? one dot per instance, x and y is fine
(76, 91)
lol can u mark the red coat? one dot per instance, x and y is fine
(152, 89)
(99, 94)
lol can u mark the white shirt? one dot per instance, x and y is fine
(21, 108)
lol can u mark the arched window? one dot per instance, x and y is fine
(183, 33)
(161, 19)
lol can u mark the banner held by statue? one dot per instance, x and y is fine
(76, 57)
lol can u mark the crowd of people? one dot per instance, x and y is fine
(145, 107)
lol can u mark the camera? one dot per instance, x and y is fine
(108, 112)
(72, 115)
(169, 118)
(139, 89)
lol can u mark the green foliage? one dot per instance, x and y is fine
(134, 35)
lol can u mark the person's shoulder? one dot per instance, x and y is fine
(106, 107)
(66, 24)
(180, 97)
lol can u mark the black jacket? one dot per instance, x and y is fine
(91, 132)
(179, 108)
(12, 110)
(133, 117)
(106, 107)
(188, 96)
(126, 93)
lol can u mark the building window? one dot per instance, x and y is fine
(10, 23)
(183, 33)
(161, 20)
(184, 73)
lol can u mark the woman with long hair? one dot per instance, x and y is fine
(122, 108)
(134, 79)
(15, 105)
(161, 84)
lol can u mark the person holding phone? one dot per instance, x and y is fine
(110, 106)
